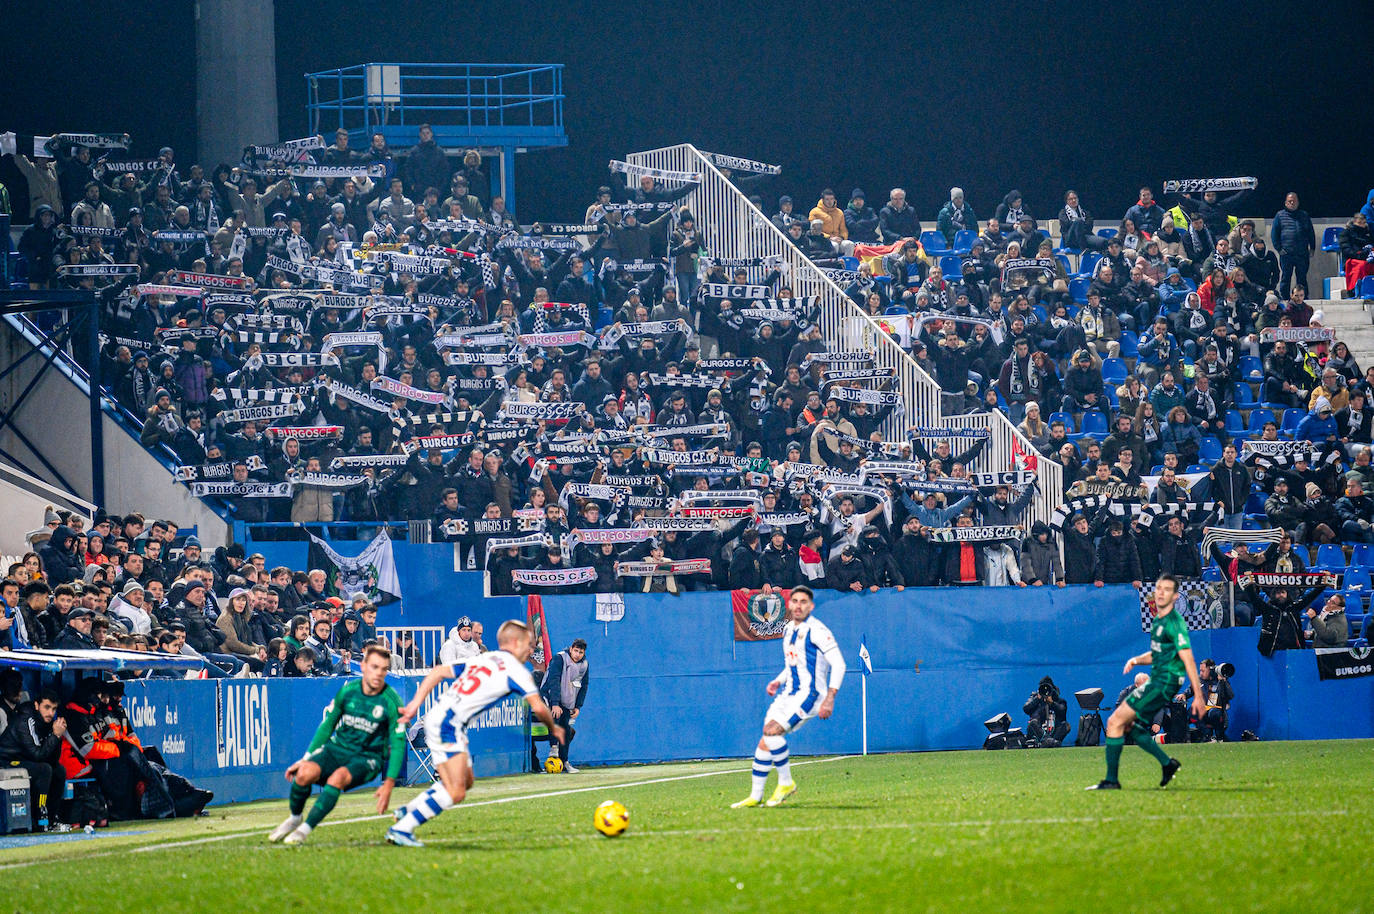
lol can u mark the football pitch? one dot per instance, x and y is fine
(1246, 826)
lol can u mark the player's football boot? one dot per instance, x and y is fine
(746, 803)
(399, 813)
(1170, 770)
(298, 836)
(402, 838)
(1105, 785)
(780, 794)
(286, 828)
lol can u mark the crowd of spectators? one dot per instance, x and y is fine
(131, 584)
(390, 344)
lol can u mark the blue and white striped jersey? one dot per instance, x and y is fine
(812, 660)
(482, 682)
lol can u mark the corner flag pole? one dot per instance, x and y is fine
(865, 667)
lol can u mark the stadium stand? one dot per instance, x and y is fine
(669, 396)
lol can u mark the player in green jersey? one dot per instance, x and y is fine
(1170, 658)
(361, 733)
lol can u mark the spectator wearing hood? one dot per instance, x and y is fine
(60, 562)
(1146, 213)
(1318, 425)
(1040, 562)
(39, 245)
(881, 568)
(1118, 558)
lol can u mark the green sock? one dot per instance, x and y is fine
(299, 795)
(323, 806)
(1114, 746)
(1144, 740)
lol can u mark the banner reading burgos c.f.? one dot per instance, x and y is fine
(759, 616)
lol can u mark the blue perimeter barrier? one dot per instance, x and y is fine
(238, 736)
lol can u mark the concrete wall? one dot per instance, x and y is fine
(55, 418)
(236, 77)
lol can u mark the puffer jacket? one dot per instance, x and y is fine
(832, 220)
(1040, 561)
(201, 634)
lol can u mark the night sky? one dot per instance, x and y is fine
(985, 96)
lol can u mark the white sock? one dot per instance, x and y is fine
(304, 828)
(763, 763)
(425, 807)
(777, 747)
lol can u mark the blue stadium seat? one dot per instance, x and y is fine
(1041, 313)
(1248, 523)
(1362, 554)
(1212, 573)
(1114, 371)
(604, 317)
(1251, 368)
(1094, 423)
(1357, 578)
(1244, 396)
(1112, 398)
(1258, 416)
(1130, 345)
(851, 263)
(1210, 452)
(934, 242)
(1254, 503)
(1199, 468)
(952, 265)
(1291, 417)
(897, 309)
(963, 241)
(1078, 289)
(1107, 232)
(1235, 422)
(1366, 287)
(1157, 469)
(1087, 262)
(1066, 418)
(1332, 556)
(1331, 238)
(1064, 262)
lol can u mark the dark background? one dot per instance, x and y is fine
(985, 96)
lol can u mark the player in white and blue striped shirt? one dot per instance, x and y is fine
(812, 664)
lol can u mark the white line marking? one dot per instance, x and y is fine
(228, 836)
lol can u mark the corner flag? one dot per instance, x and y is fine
(863, 655)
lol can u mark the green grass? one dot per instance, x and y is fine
(1246, 827)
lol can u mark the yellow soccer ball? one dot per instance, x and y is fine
(611, 818)
(553, 764)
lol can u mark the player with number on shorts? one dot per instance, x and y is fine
(812, 661)
(482, 681)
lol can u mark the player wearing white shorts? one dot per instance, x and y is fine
(811, 662)
(482, 681)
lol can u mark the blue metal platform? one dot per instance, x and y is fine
(499, 109)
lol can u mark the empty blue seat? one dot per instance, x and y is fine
(1157, 469)
(1254, 503)
(1331, 238)
(1258, 416)
(1212, 573)
(1362, 554)
(1244, 396)
(1251, 368)
(963, 240)
(1088, 262)
(1291, 418)
(1064, 262)
(851, 263)
(1107, 232)
(1094, 423)
(1114, 371)
(896, 309)
(1210, 450)
(1235, 422)
(1197, 468)
(1078, 289)
(952, 265)
(1330, 555)
(1130, 345)
(1040, 313)
(1356, 579)
(934, 242)
(1112, 398)
(1066, 418)
(1366, 287)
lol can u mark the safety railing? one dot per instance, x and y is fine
(523, 99)
(1005, 441)
(733, 227)
(419, 652)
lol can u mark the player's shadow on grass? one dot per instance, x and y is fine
(833, 806)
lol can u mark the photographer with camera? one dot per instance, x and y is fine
(1047, 726)
(1217, 693)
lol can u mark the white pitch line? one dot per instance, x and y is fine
(229, 836)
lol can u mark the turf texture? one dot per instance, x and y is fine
(1244, 827)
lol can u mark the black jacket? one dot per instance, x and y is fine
(69, 639)
(1230, 485)
(201, 634)
(1118, 559)
(779, 566)
(29, 738)
(839, 574)
(745, 572)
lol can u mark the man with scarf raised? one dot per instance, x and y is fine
(1019, 382)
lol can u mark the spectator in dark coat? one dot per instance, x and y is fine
(1117, 557)
(778, 562)
(1294, 240)
(897, 220)
(846, 571)
(745, 571)
(426, 166)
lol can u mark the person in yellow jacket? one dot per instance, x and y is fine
(831, 217)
